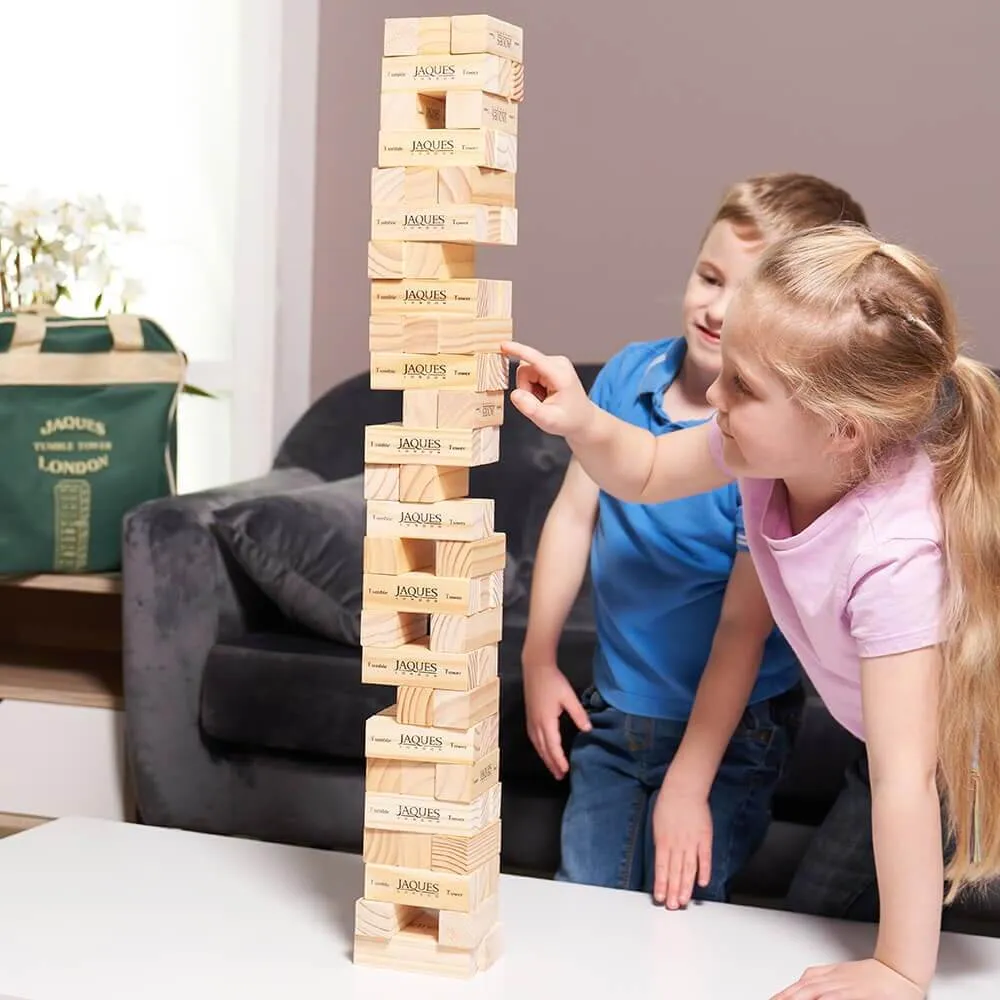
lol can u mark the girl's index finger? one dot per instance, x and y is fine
(524, 353)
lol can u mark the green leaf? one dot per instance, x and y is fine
(98, 301)
(193, 390)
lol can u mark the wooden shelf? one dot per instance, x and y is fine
(89, 583)
(61, 677)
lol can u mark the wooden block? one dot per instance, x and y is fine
(387, 738)
(439, 890)
(416, 949)
(467, 930)
(475, 186)
(447, 782)
(472, 224)
(397, 259)
(437, 334)
(391, 628)
(464, 782)
(403, 112)
(385, 811)
(381, 482)
(467, 446)
(414, 665)
(476, 109)
(478, 372)
(460, 633)
(482, 33)
(415, 186)
(449, 520)
(382, 920)
(423, 706)
(460, 854)
(448, 147)
(437, 75)
(433, 483)
(425, 408)
(427, 593)
(486, 555)
(388, 554)
(412, 36)
(402, 777)
(482, 298)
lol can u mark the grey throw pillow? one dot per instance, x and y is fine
(304, 548)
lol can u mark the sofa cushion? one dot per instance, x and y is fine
(304, 549)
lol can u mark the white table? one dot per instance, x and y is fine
(109, 911)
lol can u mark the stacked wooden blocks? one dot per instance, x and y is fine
(433, 561)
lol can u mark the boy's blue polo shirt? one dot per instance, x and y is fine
(659, 572)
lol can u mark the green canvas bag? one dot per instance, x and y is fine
(87, 431)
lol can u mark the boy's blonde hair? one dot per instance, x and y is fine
(866, 338)
(770, 206)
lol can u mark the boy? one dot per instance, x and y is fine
(696, 697)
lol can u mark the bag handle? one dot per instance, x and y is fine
(29, 332)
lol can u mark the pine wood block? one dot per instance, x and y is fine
(401, 777)
(391, 628)
(423, 706)
(478, 372)
(399, 111)
(428, 593)
(485, 555)
(467, 930)
(399, 334)
(437, 890)
(388, 554)
(471, 224)
(477, 109)
(429, 408)
(442, 852)
(415, 186)
(381, 482)
(446, 782)
(394, 258)
(413, 36)
(479, 298)
(461, 633)
(476, 186)
(388, 738)
(433, 483)
(483, 33)
(386, 811)
(464, 782)
(447, 147)
(414, 665)
(415, 949)
(440, 74)
(448, 520)
(382, 920)
(467, 446)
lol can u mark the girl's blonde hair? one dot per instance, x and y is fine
(882, 359)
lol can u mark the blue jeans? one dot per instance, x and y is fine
(615, 774)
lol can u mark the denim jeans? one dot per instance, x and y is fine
(615, 774)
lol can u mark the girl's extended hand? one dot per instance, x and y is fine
(867, 980)
(682, 845)
(549, 392)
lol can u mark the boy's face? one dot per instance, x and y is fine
(724, 260)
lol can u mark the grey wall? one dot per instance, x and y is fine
(638, 113)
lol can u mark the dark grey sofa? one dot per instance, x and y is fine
(241, 722)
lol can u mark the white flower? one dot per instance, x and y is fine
(44, 273)
(95, 211)
(98, 272)
(131, 218)
(132, 289)
(34, 212)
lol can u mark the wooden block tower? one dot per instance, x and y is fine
(434, 561)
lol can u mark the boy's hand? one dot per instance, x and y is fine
(549, 392)
(867, 980)
(682, 845)
(547, 694)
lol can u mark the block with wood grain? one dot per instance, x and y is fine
(432, 578)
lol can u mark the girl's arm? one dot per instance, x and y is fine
(626, 461)
(899, 696)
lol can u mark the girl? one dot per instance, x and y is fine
(867, 452)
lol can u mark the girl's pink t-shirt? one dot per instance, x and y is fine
(863, 580)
